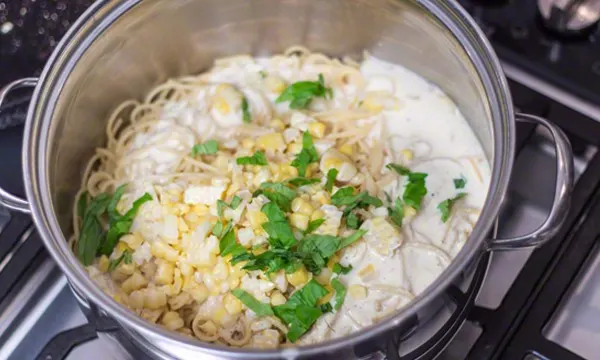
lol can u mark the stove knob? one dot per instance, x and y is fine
(569, 16)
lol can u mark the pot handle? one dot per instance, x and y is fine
(7, 199)
(562, 192)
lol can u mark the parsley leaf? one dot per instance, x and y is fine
(314, 225)
(229, 245)
(445, 206)
(302, 181)
(415, 190)
(340, 293)
(460, 182)
(257, 159)
(331, 175)
(341, 269)
(208, 148)
(279, 230)
(300, 94)
(396, 213)
(279, 193)
(307, 155)
(247, 116)
(349, 240)
(125, 257)
(260, 308)
(401, 170)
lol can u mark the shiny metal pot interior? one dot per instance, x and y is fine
(120, 49)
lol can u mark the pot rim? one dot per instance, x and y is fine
(35, 142)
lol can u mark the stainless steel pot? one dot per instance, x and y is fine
(120, 49)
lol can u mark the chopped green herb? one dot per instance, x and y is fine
(307, 155)
(415, 190)
(353, 221)
(325, 308)
(82, 204)
(247, 116)
(341, 269)
(460, 183)
(302, 181)
(221, 205)
(314, 225)
(229, 245)
(91, 233)
(279, 230)
(208, 148)
(349, 240)
(219, 230)
(445, 206)
(263, 74)
(401, 170)
(396, 213)
(269, 261)
(260, 308)
(279, 193)
(300, 94)
(331, 175)
(125, 257)
(345, 196)
(257, 159)
(235, 202)
(340, 293)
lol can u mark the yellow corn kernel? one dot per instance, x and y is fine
(332, 261)
(120, 248)
(317, 214)
(200, 209)
(209, 327)
(322, 197)
(164, 273)
(186, 269)
(221, 105)
(199, 292)
(182, 226)
(177, 283)
(232, 304)
(172, 321)
(248, 144)
(299, 221)
(407, 154)
(366, 271)
(324, 276)
(219, 315)
(136, 299)
(277, 124)
(277, 298)
(311, 169)
(273, 141)
(134, 241)
(275, 84)
(325, 299)
(301, 206)
(409, 211)
(298, 277)
(347, 149)
(103, 263)
(134, 282)
(372, 103)
(317, 129)
(294, 148)
(155, 299)
(289, 170)
(259, 250)
(220, 271)
(234, 283)
(164, 251)
(358, 292)
(256, 218)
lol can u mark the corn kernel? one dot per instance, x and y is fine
(366, 271)
(372, 103)
(219, 315)
(301, 206)
(311, 169)
(103, 263)
(232, 304)
(199, 293)
(322, 197)
(134, 241)
(324, 276)
(200, 209)
(220, 271)
(347, 149)
(136, 299)
(278, 299)
(407, 154)
(164, 251)
(299, 221)
(172, 321)
(273, 141)
(120, 248)
(256, 218)
(209, 327)
(221, 105)
(294, 148)
(325, 299)
(358, 292)
(275, 84)
(248, 144)
(317, 214)
(317, 129)
(409, 211)
(164, 273)
(134, 282)
(277, 124)
(234, 283)
(155, 299)
(297, 278)
(186, 269)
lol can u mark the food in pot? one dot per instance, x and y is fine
(281, 200)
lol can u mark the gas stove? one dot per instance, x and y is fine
(535, 304)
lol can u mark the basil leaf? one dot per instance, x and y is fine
(340, 293)
(258, 158)
(401, 170)
(331, 175)
(229, 245)
(302, 181)
(208, 148)
(260, 308)
(82, 204)
(460, 183)
(308, 295)
(345, 196)
(353, 221)
(445, 206)
(347, 241)
(341, 269)
(307, 155)
(298, 318)
(325, 308)
(300, 94)
(273, 212)
(263, 74)
(325, 245)
(113, 214)
(91, 232)
(279, 230)
(221, 205)
(278, 193)
(396, 213)
(235, 202)
(415, 190)
(247, 116)
(314, 225)
(125, 257)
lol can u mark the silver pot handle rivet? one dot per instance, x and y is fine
(7, 199)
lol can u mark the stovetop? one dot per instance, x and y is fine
(535, 304)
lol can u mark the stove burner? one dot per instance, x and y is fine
(569, 16)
